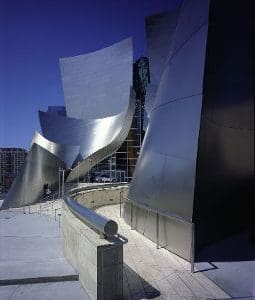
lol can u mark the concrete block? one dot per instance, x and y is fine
(99, 262)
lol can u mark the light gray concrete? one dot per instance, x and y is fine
(151, 273)
(101, 197)
(30, 248)
(99, 261)
(236, 277)
(44, 291)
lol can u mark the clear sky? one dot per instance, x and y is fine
(34, 34)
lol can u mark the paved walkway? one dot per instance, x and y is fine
(149, 273)
(157, 273)
(31, 252)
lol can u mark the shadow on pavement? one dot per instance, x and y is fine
(135, 285)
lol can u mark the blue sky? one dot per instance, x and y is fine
(35, 34)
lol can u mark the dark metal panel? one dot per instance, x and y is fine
(40, 167)
(224, 196)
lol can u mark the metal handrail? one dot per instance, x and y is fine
(101, 224)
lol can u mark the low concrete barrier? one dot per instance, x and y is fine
(96, 197)
(99, 262)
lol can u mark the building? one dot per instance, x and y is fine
(193, 187)
(11, 161)
(120, 166)
(99, 108)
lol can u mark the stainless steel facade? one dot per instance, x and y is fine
(164, 178)
(196, 162)
(105, 136)
(40, 167)
(224, 193)
(97, 85)
(100, 104)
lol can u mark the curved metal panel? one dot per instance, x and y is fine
(104, 136)
(97, 81)
(40, 167)
(160, 29)
(66, 153)
(164, 178)
(89, 135)
(225, 164)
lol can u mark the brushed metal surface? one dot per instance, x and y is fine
(67, 153)
(98, 222)
(164, 178)
(96, 85)
(160, 29)
(40, 167)
(224, 196)
(104, 137)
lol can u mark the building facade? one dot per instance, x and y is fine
(11, 161)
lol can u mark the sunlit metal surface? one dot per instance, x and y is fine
(160, 29)
(96, 85)
(100, 105)
(40, 167)
(98, 222)
(104, 136)
(164, 178)
(66, 153)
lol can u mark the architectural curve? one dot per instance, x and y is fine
(105, 137)
(164, 178)
(66, 153)
(96, 85)
(41, 167)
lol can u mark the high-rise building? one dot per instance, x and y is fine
(11, 161)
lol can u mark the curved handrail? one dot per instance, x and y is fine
(99, 223)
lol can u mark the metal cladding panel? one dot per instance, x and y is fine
(174, 235)
(103, 137)
(164, 179)
(224, 197)
(160, 30)
(66, 153)
(40, 167)
(89, 135)
(166, 173)
(96, 85)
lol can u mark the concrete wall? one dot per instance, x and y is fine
(101, 197)
(99, 262)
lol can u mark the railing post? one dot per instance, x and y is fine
(59, 183)
(120, 201)
(63, 183)
(132, 215)
(192, 250)
(157, 230)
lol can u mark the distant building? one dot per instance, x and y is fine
(11, 161)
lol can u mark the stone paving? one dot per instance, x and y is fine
(151, 273)
(31, 251)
